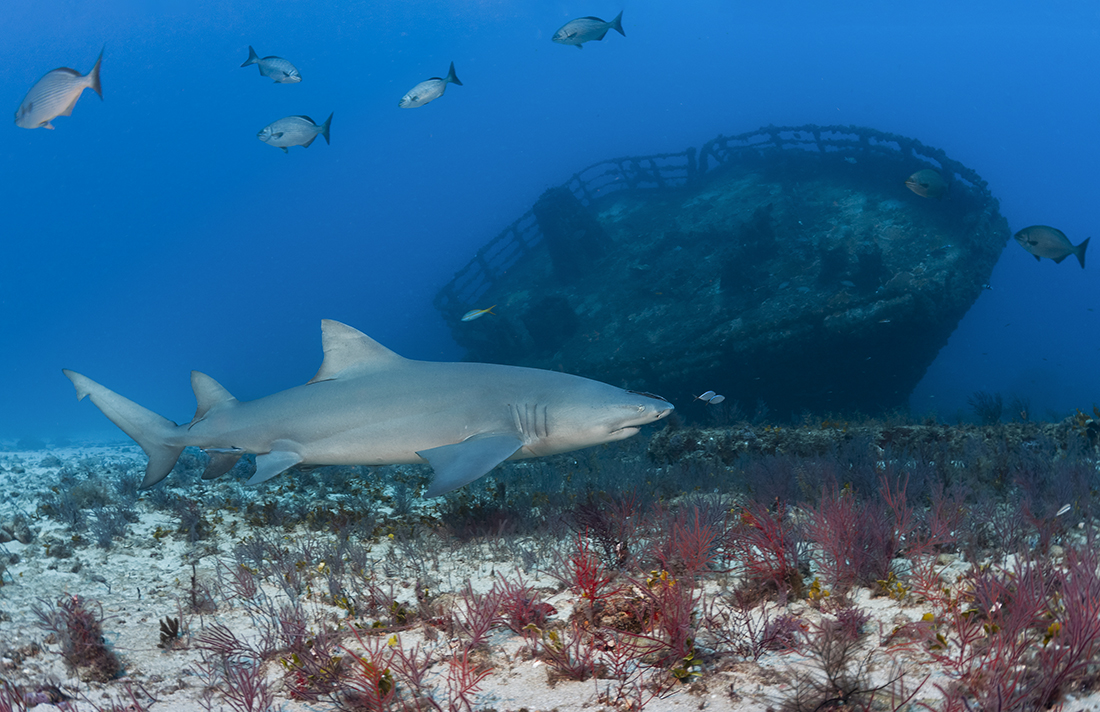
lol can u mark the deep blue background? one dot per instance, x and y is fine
(152, 233)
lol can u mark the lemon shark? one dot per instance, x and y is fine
(369, 406)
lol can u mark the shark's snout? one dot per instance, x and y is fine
(649, 410)
(655, 404)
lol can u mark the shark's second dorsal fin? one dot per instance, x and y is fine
(348, 349)
(209, 393)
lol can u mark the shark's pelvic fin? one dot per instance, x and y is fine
(282, 457)
(209, 394)
(350, 350)
(221, 461)
(462, 463)
(149, 430)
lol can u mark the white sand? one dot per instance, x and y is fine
(142, 579)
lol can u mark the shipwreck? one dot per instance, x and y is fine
(788, 267)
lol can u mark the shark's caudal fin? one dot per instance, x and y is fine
(149, 430)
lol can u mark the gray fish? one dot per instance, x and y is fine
(279, 69)
(586, 29)
(425, 91)
(1049, 242)
(927, 183)
(294, 131)
(55, 95)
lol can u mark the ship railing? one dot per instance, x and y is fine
(666, 171)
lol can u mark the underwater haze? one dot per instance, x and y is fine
(152, 233)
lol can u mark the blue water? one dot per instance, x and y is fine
(151, 233)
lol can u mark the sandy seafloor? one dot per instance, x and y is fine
(146, 576)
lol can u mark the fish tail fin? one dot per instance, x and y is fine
(617, 24)
(325, 127)
(253, 58)
(93, 76)
(152, 432)
(1080, 251)
(451, 76)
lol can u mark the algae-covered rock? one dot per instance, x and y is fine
(799, 272)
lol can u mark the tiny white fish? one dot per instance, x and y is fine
(429, 89)
(55, 94)
(716, 400)
(294, 131)
(586, 29)
(477, 313)
(279, 69)
(1065, 508)
(705, 396)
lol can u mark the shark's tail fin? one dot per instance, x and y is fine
(149, 430)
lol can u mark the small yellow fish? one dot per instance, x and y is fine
(477, 313)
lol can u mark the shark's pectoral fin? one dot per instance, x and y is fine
(221, 461)
(464, 462)
(282, 457)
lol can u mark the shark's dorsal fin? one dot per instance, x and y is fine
(210, 394)
(350, 350)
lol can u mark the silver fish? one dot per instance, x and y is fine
(279, 69)
(55, 95)
(425, 91)
(586, 29)
(294, 131)
(1049, 242)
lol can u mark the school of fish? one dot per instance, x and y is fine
(57, 92)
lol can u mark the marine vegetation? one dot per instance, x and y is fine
(77, 627)
(685, 566)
